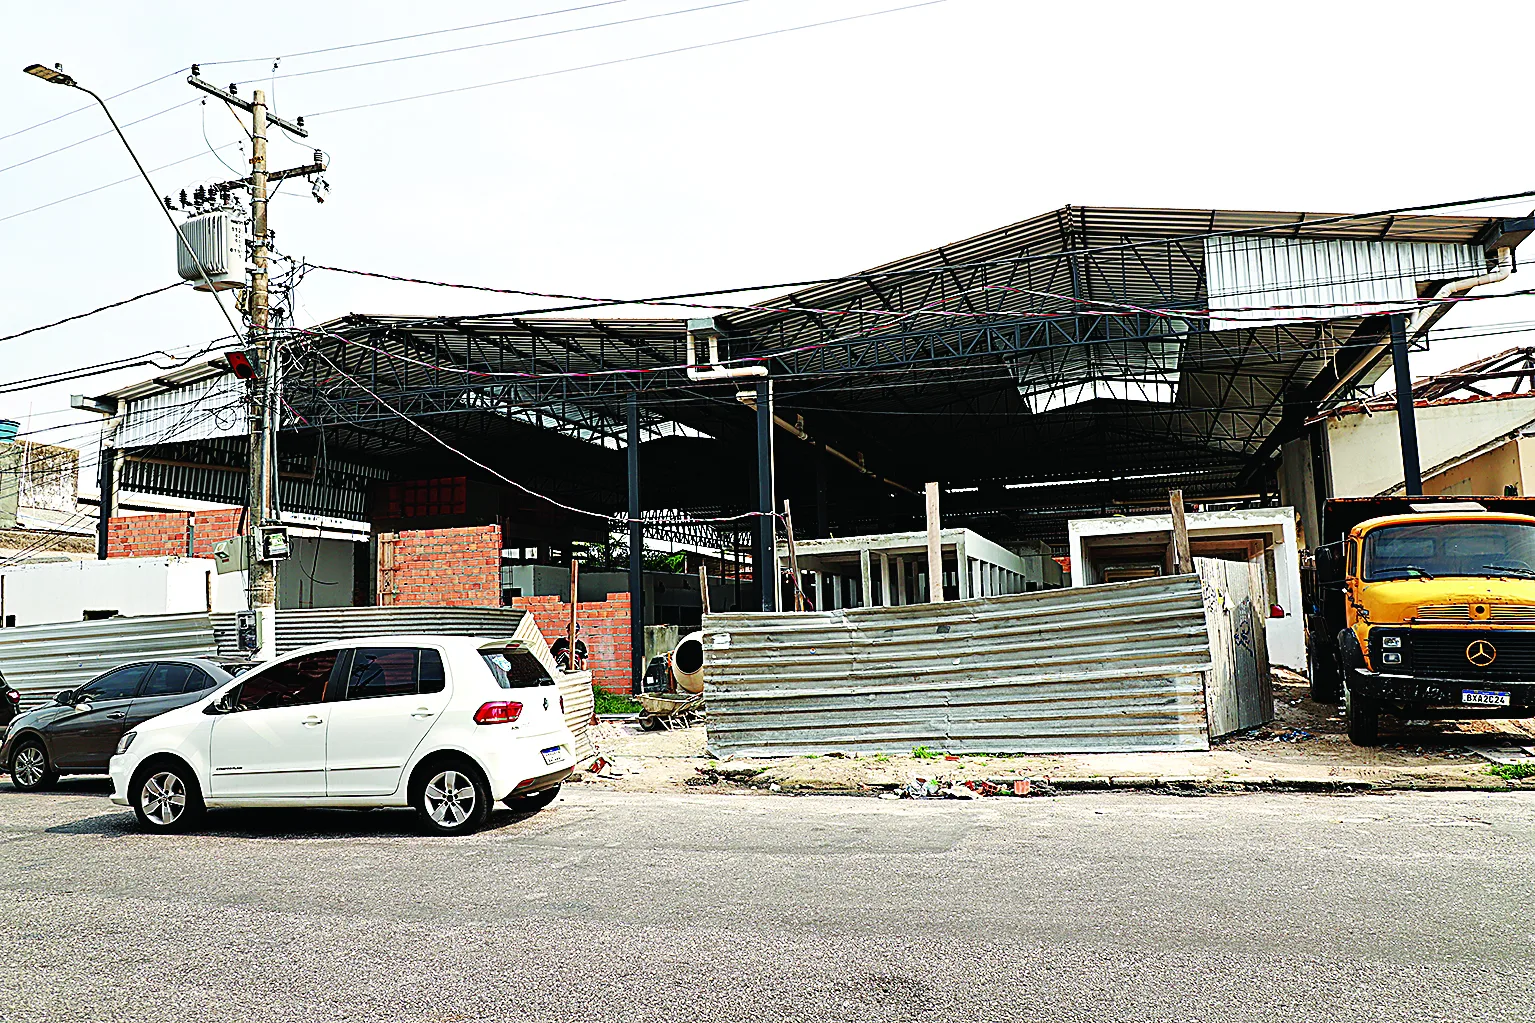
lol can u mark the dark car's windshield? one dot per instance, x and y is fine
(1430, 549)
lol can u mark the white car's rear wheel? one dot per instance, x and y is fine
(452, 800)
(165, 797)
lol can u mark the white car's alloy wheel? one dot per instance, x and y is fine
(450, 798)
(164, 798)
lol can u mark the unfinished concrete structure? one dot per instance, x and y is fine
(1128, 547)
(890, 569)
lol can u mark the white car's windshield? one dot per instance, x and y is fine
(1428, 550)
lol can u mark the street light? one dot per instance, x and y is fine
(55, 76)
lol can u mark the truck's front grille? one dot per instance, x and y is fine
(1521, 613)
(1463, 653)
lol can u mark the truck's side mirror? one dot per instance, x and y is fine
(1329, 564)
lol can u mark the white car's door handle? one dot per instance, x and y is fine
(421, 712)
(310, 722)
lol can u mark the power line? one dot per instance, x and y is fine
(77, 110)
(99, 309)
(110, 184)
(413, 35)
(624, 60)
(498, 42)
(92, 138)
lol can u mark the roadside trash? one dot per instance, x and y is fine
(775, 787)
(960, 792)
(1021, 787)
(1294, 735)
(597, 765)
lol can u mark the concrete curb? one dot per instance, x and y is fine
(1182, 785)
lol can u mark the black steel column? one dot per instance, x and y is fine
(765, 559)
(1406, 417)
(105, 464)
(636, 548)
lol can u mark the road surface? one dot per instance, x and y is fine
(1277, 908)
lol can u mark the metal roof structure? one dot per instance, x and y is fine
(1062, 365)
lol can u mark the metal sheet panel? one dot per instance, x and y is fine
(212, 407)
(1095, 669)
(1247, 275)
(42, 660)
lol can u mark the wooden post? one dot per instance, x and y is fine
(387, 590)
(1183, 563)
(934, 548)
(788, 527)
(575, 598)
(703, 586)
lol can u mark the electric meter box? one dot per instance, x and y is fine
(219, 240)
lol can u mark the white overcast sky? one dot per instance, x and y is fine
(798, 155)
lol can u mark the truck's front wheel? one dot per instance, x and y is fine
(1361, 710)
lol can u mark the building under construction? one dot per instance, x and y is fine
(1081, 362)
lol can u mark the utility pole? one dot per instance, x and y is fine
(265, 388)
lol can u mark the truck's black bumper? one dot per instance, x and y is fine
(1446, 697)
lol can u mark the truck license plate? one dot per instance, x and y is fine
(1485, 697)
(553, 753)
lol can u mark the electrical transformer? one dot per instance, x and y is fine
(219, 240)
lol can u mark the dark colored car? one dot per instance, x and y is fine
(78, 732)
(10, 702)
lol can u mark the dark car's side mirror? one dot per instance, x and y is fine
(66, 698)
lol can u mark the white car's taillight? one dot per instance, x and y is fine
(498, 713)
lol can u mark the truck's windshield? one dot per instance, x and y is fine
(1430, 549)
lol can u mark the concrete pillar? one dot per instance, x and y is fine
(864, 578)
(885, 598)
(903, 589)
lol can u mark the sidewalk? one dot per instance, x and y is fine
(1304, 749)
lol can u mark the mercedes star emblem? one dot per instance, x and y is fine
(1481, 653)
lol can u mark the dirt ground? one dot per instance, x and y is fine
(1305, 747)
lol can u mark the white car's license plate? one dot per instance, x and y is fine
(554, 753)
(1485, 697)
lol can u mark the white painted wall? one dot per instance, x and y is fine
(1286, 636)
(1365, 451)
(64, 591)
(317, 574)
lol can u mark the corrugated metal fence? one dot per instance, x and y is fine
(42, 660)
(1102, 668)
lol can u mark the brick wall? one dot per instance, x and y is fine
(165, 535)
(444, 568)
(604, 629)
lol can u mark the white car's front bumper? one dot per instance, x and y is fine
(121, 771)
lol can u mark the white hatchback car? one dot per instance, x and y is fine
(445, 724)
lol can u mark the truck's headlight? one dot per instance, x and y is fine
(1391, 643)
(126, 741)
(1390, 658)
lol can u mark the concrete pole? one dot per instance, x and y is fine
(636, 548)
(934, 547)
(766, 561)
(263, 392)
(865, 578)
(886, 598)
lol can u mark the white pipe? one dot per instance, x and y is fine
(715, 371)
(1428, 315)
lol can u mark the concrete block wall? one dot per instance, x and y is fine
(604, 629)
(167, 535)
(446, 568)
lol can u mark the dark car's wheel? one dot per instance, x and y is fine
(451, 798)
(532, 804)
(166, 797)
(1361, 712)
(29, 766)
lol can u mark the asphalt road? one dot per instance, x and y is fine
(721, 908)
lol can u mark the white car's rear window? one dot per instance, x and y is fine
(516, 669)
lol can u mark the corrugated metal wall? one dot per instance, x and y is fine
(1328, 274)
(42, 660)
(1094, 669)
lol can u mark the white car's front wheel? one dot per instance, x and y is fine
(166, 797)
(451, 799)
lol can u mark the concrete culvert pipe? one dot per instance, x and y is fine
(688, 663)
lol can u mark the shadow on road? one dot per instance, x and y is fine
(293, 824)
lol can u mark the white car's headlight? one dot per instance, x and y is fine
(126, 741)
